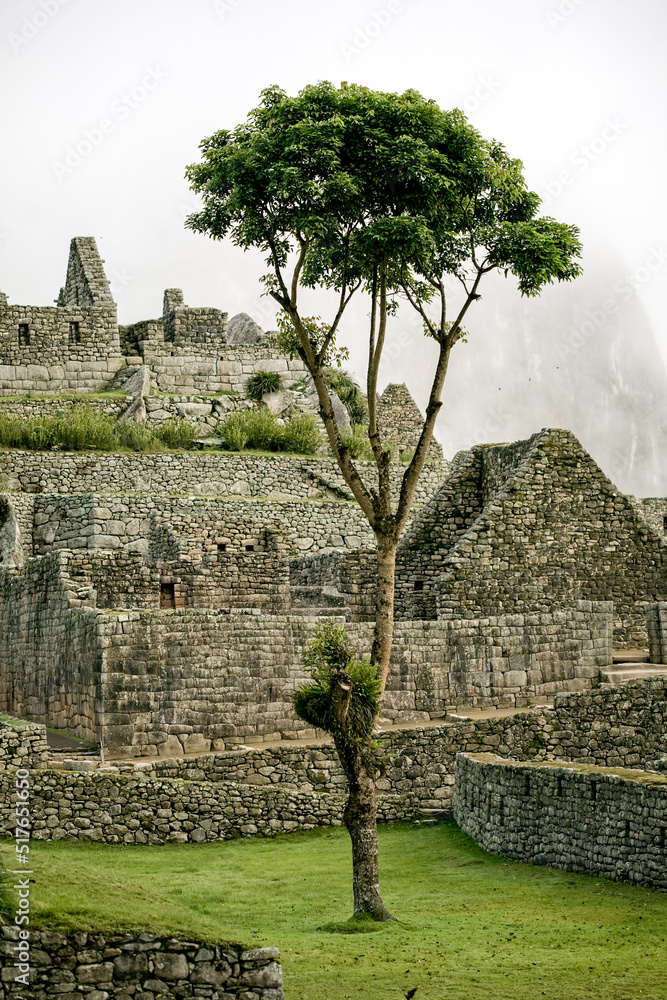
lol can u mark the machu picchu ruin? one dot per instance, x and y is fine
(159, 604)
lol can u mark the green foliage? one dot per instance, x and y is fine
(326, 655)
(259, 430)
(302, 434)
(7, 900)
(285, 338)
(262, 382)
(358, 180)
(358, 443)
(177, 433)
(83, 428)
(349, 393)
(136, 437)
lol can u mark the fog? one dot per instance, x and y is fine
(105, 103)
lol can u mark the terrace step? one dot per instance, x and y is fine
(630, 656)
(624, 673)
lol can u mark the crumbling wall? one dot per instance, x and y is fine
(71, 347)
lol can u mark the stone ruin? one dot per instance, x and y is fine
(160, 603)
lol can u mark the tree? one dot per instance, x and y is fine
(353, 191)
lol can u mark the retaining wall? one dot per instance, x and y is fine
(594, 821)
(103, 966)
(198, 473)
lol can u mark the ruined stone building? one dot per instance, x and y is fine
(161, 602)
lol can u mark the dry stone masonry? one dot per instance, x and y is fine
(102, 966)
(596, 821)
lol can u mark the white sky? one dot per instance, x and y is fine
(576, 88)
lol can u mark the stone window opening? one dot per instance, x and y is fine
(526, 785)
(664, 522)
(594, 791)
(222, 547)
(74, 333)
(250, 548)
(167, 595)
(661, 837)
(559, 787)
(419, 584)
(24, 335)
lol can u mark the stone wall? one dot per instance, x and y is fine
(400, 419)
(594, 821)
(104, 966)
(136, 809)
(347, 578)
(50, 657)
(73, 346)
(196, 525)
(656, 616)
(221, 580)
(527, 527)
(653, 512)
(206, 473)
(605, 727)
(22, 744)
(38, 407)
(237, 679)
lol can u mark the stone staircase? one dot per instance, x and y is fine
(630, 665)
(318, 600)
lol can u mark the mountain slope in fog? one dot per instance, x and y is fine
(581, 357)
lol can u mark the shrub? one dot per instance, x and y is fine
(302, 434)
(136, 436)
(234, 431)
(358, 443)
(260, 430)
(262, 382)
(177, 433)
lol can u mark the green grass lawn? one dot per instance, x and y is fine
(472, 926)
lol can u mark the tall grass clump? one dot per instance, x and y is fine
(259, 430)
(177, 433)
(83, 428)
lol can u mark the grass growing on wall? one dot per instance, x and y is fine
(259, 430)
(83, 428)
(472, 926)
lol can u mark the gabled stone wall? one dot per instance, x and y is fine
(529, 527)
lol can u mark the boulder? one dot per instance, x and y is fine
(242, 329)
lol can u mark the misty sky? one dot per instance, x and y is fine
(104, 103)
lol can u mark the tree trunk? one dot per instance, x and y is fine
(383, 634)
(360, 818)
